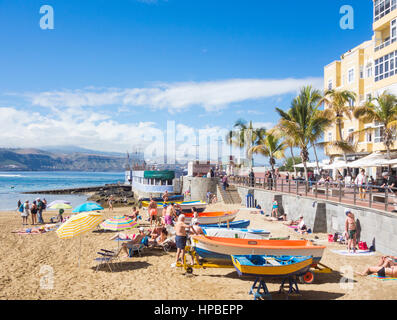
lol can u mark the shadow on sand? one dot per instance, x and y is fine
(123, 266)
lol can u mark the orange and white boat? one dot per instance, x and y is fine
(212, 217)
(221, 249)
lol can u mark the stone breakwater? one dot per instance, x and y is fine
(122, 195)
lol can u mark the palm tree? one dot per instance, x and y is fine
(245, 135)
(269, 146)
(288, 141)
(384, 110)
(339, 104)
(303, 122)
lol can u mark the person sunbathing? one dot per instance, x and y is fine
(31, 230)
(387, 261)
(134, 242)
(160, 239)
(381, 272)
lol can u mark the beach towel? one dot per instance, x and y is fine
(357, 254)
(383, 279)
(293, 227)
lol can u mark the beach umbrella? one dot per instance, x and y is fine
(60, 206)
(78, 225)
(118, 223)
(57, 202)
(85, 207)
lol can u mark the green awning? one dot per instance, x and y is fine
(160, 175)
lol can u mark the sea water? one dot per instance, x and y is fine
(12, 184)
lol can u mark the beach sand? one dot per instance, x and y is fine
(27, 259)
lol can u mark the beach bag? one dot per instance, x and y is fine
(21, 208)
(330, 238)
(362, 245)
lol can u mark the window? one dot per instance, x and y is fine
(351, 75)
(350, 137)
(369, 97)
(383, 7)
(369, 70)
(385, 66)
(329, 136)
(379, 130)
(329, 84)
(361, 72)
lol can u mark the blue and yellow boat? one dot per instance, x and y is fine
(271, 266)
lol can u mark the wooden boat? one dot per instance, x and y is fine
(212, 217)
(234, 224)
(271, 266)
(220, 249)
(236, 233)
(170, 198)
(186, 206)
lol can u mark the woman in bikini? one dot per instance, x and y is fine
(351, 230)
(381, 272)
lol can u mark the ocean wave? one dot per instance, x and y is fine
(11, 175)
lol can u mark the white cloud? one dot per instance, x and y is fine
(176, 97)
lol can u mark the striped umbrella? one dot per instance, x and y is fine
(60, 206)
(118, 223)
(78, 225)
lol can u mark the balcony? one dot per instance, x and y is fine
(385, 44)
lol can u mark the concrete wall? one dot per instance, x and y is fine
(375, 227)
(199, 187)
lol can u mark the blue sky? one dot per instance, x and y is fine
(113, 72)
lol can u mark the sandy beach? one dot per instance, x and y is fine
(150, 276)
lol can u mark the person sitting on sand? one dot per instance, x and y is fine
(387, 261)
(302, 228)
(136, 241)
(381, 272)
(159, 239)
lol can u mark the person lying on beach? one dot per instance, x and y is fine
(292, 222)
(132, 244)
(387, 261)
(39, 230)
(381, 272)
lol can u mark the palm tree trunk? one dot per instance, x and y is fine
(339, 122)
(315, 155)
(293, 159)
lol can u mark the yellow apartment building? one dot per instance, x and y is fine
(368, 70)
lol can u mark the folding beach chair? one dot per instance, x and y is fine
(107, 257)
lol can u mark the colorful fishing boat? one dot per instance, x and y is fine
(234, 224)
(170, 198)
(236, 233)
(186, 206)
(221, 249)
(212, 217)
(271, 266)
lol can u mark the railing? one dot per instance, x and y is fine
(371, 196)
(385, 44)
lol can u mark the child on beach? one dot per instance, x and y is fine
(275, 209)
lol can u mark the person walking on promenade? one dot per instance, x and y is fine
(361, 182)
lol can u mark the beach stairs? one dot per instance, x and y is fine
(230, 196)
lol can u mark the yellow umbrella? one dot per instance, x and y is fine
(79, 224)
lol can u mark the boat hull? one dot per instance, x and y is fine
(236, 233)
(221, 249)
(298, 266)
(212, 217)
(234, 224)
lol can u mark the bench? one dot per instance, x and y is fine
(331, 192)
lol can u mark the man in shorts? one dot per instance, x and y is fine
(180, 239)
(152, 208)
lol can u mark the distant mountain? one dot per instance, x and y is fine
(41, 160)
(74, 149)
